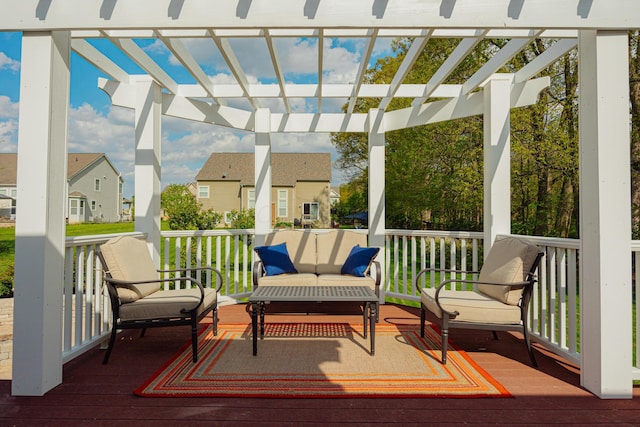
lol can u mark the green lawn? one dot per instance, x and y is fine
(8, 237)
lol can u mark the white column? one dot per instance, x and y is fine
(605, 214)
(377, 209)
(148, 162)
(497, 167)
(263, 174)
(40, 221)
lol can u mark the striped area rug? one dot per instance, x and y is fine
(307, 360)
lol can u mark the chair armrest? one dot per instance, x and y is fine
(258, 272)
(440, 270)
(183, 270)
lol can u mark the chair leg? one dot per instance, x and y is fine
(143, 332)
(112, 341)
(495, 335)
(527, 342)
(215, 321)
(445, 337)
(194, 339)
(423, 317)
(445, 345)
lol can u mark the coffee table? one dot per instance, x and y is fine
(266, 294)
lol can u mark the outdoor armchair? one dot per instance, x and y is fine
(499, 300)
(137, 301)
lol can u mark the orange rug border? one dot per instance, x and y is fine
(502, 392)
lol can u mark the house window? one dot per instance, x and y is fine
(282, 204)
(73, 207)
(97, 184)
(228, 218)
(310, 211)
(93, 205)
(203, 191)
(251, 199)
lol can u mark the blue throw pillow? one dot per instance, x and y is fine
(275, 259)
(359, 260)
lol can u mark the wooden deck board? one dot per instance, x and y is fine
(102, 395)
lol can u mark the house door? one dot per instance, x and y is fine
(76, 211)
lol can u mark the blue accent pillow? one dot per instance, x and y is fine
(275, 259)
(359, 260)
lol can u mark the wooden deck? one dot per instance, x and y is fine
(102, 395)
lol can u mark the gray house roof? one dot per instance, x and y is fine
(286, 168)
(76, 163)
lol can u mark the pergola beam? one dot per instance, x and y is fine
(32, 15)
(522, 94)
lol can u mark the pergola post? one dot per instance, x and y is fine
(262, 174)
(605, 214)
(40, 221)
(497, 158)
(148, 113)
(377, 211)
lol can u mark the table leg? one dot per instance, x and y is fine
(365, 311)
(261, 320)
(373, 313)
(254, 324)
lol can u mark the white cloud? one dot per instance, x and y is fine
(9, 136)
(8, 109)
(7, 63)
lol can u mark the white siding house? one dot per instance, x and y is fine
(94, 188)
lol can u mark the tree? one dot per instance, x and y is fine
(184, 211)
(437, 169)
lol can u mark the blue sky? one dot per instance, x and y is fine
(96, 126)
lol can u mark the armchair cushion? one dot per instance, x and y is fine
(128, 259)
(508, 261)
(472, 306)
(359, 261)
(168, 304)
(275, 259)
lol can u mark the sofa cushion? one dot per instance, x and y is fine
(128, 258)
(509, 261)
(275, 259)
(300, 279)
(334, 248)
(359, 260)
(167, 304)
(472, 306)
(346, 280)
(301, 246)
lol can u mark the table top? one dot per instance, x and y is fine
(313, 293)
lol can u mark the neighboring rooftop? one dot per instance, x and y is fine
(76, 162)
(286, 168)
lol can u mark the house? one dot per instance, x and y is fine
(300, 186)
(94, 188)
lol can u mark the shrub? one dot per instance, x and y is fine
(6, 282)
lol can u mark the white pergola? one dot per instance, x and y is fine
(52, 29)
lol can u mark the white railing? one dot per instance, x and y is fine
(408, 252)
(554, 309)
(230, 251)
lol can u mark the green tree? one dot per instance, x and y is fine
(181, 206)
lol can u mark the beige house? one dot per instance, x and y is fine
(300, 186)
